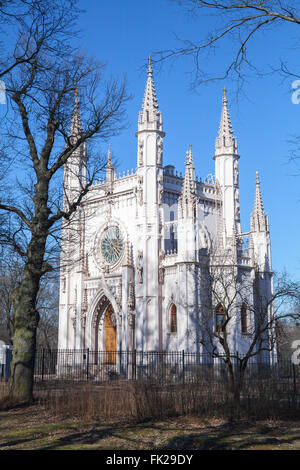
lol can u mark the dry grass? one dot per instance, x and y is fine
(140, 401)
(35, 428)
(144, 415)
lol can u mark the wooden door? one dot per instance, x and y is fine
(110, 337)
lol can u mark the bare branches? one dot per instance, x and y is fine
(16, 211)
(229, 290)
(240, 22)
(41, 25)
(42, 92)
(240, 309)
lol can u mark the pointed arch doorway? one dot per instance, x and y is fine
(110, 336)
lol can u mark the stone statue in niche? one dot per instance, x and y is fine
(140, 267)
(139, 191)
(237, 205)
(141, 153)
(131, 320)
(236, 173)
(161, 255)
(159, 189)
(159, 150)
(161, 275)
(83, 320)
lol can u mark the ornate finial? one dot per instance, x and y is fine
(259, 221)
(75, 124)
(189, 155)
(225, 142)
(149, 62)
(109, 157)
(76, 103)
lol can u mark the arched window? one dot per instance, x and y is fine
(173, 319)
(244, 318)
(220, 318)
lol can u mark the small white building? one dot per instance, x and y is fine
(135, 280)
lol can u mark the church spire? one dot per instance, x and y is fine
(75, 168)
(187, 198)
(258, 215)
(150, 101)
(150, 117)
(76, 128)
(225, 142)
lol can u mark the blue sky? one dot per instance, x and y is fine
(123, 33)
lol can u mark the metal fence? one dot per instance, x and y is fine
(177, 366)
(5, 361)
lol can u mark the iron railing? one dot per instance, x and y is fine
(176, 366)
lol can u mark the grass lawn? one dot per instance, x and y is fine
(35, 428)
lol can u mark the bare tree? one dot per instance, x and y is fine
(47, 305)
(234, 306)
(239, 21)
(11, 271)
(10, 275)
(41, 81)
(288, 331)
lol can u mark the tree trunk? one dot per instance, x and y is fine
(21, 389)
(26, 319)
(24, 341)
(235, 383)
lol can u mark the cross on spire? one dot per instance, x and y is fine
(150, 102)
(150, 117)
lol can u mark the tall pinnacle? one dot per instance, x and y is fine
(150, 116)
(188, 188)
(225, 142)
(76, 166)
(258, 215)
(109, 158)
(150, 100)
(76, 128)
(189, 177)
(109, 167)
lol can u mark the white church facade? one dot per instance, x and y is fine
(143, 238)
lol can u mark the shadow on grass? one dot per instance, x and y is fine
(227, 436)
(234, 437)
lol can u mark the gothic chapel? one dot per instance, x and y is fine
(134, 282)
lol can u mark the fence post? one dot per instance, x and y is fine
(183, 371)
(43, 356)
(87, 363)
(294, 378)
(135, 364)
